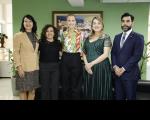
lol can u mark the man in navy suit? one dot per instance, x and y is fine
(126, 52)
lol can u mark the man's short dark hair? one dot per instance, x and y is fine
(127, 15)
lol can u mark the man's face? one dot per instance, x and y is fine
(126, 23)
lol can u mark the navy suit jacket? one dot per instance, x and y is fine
(129, 55)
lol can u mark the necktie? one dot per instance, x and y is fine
(122, 40)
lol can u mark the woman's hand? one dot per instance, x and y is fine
(88, 67)
(20, 71)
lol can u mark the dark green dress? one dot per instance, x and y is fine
(97, 86)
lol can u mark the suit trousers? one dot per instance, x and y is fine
(125, 89)
(49, 80)
(71, 72)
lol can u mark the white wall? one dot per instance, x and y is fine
(6, 21)
(148, 63)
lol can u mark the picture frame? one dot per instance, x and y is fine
(83, 18)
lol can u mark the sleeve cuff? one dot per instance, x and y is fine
(123, 68)
(17, 65)
(115, 66)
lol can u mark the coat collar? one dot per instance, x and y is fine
(129, 38)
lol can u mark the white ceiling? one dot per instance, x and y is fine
(76, 3)
(123, 1)
(80, 3)
(5, 1)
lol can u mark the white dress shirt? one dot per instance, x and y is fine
(127, 34)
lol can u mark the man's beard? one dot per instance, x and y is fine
(126, 29)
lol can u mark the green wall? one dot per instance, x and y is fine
(42, 12)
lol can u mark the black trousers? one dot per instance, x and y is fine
(49, 80)
(71, 76)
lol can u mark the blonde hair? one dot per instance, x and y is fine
(100, 20)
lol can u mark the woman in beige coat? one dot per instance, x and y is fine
(26, 58)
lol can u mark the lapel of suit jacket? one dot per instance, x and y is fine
(29, 42)
(119, 39)
(129, 38)
(37, 44)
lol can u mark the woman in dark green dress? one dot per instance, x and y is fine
(97, 73)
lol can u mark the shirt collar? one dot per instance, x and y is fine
(128, 32)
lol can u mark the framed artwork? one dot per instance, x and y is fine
(83, 18)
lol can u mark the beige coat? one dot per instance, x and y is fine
(24, 53)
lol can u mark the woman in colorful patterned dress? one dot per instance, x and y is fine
(97, 74)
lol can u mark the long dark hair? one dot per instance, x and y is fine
(34, 29)
(43, 34)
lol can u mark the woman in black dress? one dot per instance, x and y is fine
(50, 50)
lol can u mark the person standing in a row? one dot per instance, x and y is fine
(71, 60)
(126, 53)
(50, 50)
(97, 74)
(25, 55)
